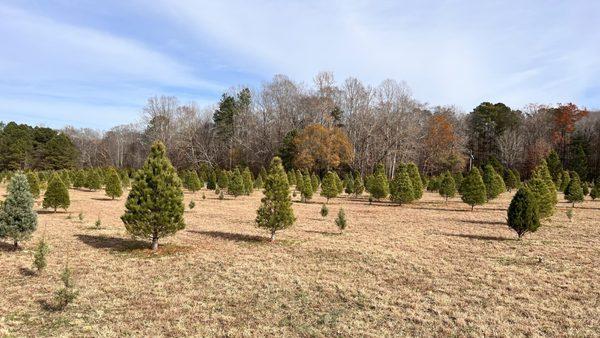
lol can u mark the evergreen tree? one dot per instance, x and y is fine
(34, 184)
(523, 214)
(585, 188)
(579, 163)
(306, 188)
(93, 181)
(595, 192)
(574, 191)
(258, 182)
(401, 187)
(291, 177)
(349, 183)
(59, 153)
(154, 207)
(18, 220)
(492, 185)
(299, 178)
(57, 195)
(359, 186)
(275, 212)
(341, 221)
(541, 193)
(125, 181)
(543, 172)
(338, 183)
(66, 178)
(236, 184)
(565, 179)
(329, 186)
(447, 186)
(314, 181)
(473, 189)
(379, 186)
(415, 177)
(39, 256)
(223, 179)
(263, 173)
(554, 166)
(194, 183)
(79, 181)
(510, 180)
(248, 181)
(324, 210)
(211, 182)
(458, 178)
(113, 186)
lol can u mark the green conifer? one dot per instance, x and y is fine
(57, 195)
(236, 184)
(415, 177)
(473, 191)
(401, 187)
(34, 184)
(18, 220)
(341, 221)
(359, 186)
(93, 180)
(523, 214)
(248, 181)
(574, 191)
(447, 186)
(306, 191)
(275, 212)
(329, 186)
(492, 184)
(541, 193)
(113, 187)
(154, 207)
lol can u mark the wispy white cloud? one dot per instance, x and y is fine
(74, 61)
(60, 66)
(450, 52)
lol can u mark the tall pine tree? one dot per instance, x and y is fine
(154, 207)
(275, 212)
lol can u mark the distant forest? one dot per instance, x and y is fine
(348, 126)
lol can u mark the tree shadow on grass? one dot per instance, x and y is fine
(326, 233)
(113, 243)
(481, 222)
(444, 209)
(50, 212)
(230, 236)
(478, 237)
(104, 199)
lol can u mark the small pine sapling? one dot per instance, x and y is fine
(341, 221)
(192, 204)
(39, 256)
(324, 210)
(67, 294)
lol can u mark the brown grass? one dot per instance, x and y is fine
(426, 269)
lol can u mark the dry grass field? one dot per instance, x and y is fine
(426, 269)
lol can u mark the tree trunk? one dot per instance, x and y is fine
(16, 245)
(272, 235)
(472, 207)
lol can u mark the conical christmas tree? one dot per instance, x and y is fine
(57, 195)
(154, 207)
(18, 220)
(473, 189)
(523, 214)
(275, 212)
(113, 186)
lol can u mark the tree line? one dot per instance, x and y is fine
(346, 127)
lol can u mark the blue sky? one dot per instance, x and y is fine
(94, 63)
